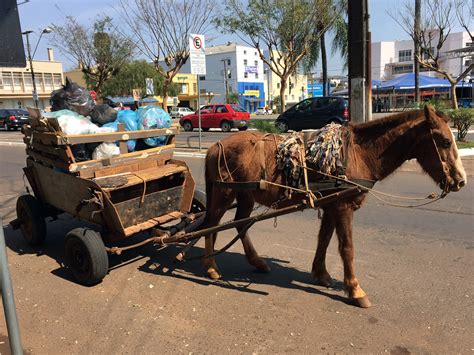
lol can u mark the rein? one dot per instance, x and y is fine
(444, 181)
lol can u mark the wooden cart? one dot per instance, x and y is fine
(124, 194)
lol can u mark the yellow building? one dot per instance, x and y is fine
(188, 93)
(16, 84)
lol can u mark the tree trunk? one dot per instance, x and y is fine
(283, 81)
(324, 64)
(454, 99)
(166, 87)
(416, 43)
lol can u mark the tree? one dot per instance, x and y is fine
(285, 28)
(233, 98)
(132, 76)
(161, 29)
(100, 50)
(437, 21)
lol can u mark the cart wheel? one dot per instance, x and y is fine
(199, 202)
(30, 214)
(86, 256)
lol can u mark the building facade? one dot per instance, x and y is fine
(16, 84)
(395, 58)
(232, 68)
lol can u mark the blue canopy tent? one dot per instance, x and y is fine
(407, 82)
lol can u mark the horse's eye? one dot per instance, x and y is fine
(446, 143)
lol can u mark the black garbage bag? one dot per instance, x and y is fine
(102, 114)
(72, 97)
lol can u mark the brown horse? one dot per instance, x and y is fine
(375, 150)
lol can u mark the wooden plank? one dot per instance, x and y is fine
(123, 144)
(60, 152)
(117, 136)
(154, 205)
(138, 177)
(113, 170)
(153, 222)
(47, 160)
(164, 151)
(188, 187)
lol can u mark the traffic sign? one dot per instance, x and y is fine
(149, 86)
(197, 54)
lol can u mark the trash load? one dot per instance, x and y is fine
(72, 97)
(105, 150)
(153, 117)
(102, 114)
(130, 119)
(73, 123)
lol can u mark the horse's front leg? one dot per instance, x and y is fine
(344, 216)
(326, 231)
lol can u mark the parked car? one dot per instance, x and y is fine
(178, 112)
(263, 111)
(13, 118)
(314, 113)
(224, 116)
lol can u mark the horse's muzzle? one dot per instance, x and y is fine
(454, 185)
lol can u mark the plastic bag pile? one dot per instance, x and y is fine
(77, 113)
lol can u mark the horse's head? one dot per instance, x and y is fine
(437, 152)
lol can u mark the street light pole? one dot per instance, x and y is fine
(30, 59)
(225, 80)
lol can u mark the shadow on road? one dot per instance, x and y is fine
(238, 275)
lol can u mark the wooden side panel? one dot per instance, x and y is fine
(188, 187)
(154, 205)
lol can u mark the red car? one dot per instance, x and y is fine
(224, 116)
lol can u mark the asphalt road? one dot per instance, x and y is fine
(415, 264)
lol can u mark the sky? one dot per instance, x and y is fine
(37, 14)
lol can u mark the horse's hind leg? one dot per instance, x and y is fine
(245, 203)
(326, 231)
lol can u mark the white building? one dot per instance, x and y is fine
(245, 75)
(394, 58)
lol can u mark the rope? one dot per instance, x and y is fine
(144, 188)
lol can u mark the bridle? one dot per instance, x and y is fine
(444, 182)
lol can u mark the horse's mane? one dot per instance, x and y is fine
(378, 127)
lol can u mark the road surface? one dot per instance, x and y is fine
(415, 264)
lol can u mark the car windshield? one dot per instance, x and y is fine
(238, 108)
(18, 112)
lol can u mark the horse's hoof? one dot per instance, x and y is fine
(325, 281)
(213, 274)
(362, 302)
(261, 265)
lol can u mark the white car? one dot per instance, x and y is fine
(178, 112)
(262, 111)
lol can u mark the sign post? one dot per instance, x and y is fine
(197, 55)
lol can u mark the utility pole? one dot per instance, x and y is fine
(30, 60)
(416, 41)
(225, 80)
(358, 48)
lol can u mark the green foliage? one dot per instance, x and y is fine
(462, 119)
(463, 145)
(277, 103)
(131, 76)
(233, 98)
(100, 50)
(264, 126)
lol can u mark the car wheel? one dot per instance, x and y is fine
(188, 126)
(334, 121)
(243, 128)
(225, 126)
(282, 126)
(86, 256)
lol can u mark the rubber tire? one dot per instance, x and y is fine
(29, 211)
(199, 201)
(188, 126)
(243, 128)
(282, 126)
(225, 126)
(86, 256)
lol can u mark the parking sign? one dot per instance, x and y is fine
(197, 54)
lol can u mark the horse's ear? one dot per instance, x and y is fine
(430, 115)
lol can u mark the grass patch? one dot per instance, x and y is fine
(264, 126)
(462, 145)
